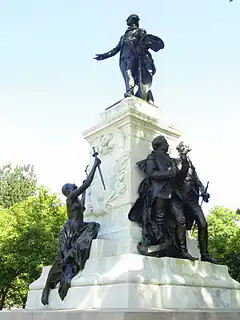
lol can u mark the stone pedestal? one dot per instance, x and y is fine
(115, 275)
(122, 137)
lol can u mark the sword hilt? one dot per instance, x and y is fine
(95, 153)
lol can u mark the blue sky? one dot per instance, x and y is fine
(51, 89)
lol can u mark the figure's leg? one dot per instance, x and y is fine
(65, 282)
(160, 209)
(53, 278)
(177, 209)
(127, 67)
(150, 98)
(202, 229)
(142, 92)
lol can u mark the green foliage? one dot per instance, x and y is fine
(30, 220)
(28, 240)
(16, 184)
(224, 238)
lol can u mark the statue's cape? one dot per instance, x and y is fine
(153, 42)
(142, 165)
(136, 213)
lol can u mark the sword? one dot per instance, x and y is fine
(205, 191)
(95, 154)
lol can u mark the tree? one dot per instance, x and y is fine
(28, 240)
(16, 184)
(224, 238)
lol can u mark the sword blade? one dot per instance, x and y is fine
(101, 176)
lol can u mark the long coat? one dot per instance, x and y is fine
(146, 42)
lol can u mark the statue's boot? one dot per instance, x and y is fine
(203, 245)
(129, 93)
(142, 248)
(150, 97)
(188, 256)
(208, 258)
(182, 242)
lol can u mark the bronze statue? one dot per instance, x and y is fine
(75, 238)
(191, 190)
(159, 208)
(136, 63)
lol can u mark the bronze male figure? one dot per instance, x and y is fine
(190, 191)
(136, 63)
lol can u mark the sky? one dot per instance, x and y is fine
(51, 89)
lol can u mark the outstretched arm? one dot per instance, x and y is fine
(76, 193)
(83, 198)
(181, 174)
(110, 53)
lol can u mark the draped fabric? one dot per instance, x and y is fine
(75, 241)
(145, 62)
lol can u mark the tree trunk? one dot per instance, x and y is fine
(3, 294)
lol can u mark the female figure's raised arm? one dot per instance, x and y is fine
(76, 193)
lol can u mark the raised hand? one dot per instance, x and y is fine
(205, 196)
(99, 57)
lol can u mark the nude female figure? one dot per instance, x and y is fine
(75, 239)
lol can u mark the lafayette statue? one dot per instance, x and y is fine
(136, 63)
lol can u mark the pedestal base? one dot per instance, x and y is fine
(133, 281)
(141, 296)
(118, 314)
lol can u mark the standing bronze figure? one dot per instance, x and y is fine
(191, 190)
(136, 63)
(75, 239)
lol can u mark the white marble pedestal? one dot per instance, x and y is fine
(116, 276)
(132, 281)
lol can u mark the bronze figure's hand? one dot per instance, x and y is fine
(99, 57)
(183, 150)
(205, 196)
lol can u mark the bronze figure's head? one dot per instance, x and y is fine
(133, 19)
(160, 143)
(68, 188)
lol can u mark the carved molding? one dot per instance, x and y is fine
(113, 151)
(119, 176)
